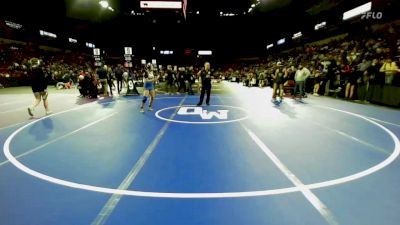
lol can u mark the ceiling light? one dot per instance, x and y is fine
(161, 4)
(72, 40)
(104, 4)
(297, 35)
(357, 11)
(13, 25)
(204, 52)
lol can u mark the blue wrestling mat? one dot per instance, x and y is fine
(239, 161)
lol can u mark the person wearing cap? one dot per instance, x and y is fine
(148, 84)
(278, 80)
(39, 86)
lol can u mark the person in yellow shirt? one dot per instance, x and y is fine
(390, 69)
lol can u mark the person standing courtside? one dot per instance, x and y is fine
(190, 80)
(110, 80)
(102, 74)
(149, 89)
(300, 77)
(119, 71)
(205, 77)
(39, 86)
(170, 79)
(278, 81)
(181, 80)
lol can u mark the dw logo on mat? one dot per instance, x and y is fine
(213, 114)
(204, 114)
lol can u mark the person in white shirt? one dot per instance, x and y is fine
(125, 77)
(300, 77)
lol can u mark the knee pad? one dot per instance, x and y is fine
(45, 94)
(144, 99)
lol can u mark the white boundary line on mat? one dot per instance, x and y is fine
(369, 171)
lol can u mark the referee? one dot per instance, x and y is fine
(205, 76)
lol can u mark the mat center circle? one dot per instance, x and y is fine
(213, 114)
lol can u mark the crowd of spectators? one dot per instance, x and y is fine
(60, 67)
(346, 68)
